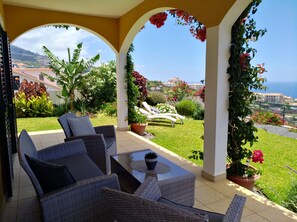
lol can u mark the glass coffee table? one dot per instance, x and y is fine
(176, 183)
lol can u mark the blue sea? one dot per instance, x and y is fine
(286, 88)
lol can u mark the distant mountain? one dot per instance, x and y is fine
(30, 59)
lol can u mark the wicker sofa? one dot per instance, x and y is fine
(147, 204)
(80, 200)
(99, 146)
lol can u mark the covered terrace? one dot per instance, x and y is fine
(117, 23)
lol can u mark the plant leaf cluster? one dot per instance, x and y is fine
(242, 79)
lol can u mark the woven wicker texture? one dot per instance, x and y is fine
(99, 146)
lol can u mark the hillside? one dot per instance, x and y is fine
(30, 59)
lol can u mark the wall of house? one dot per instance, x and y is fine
(29, 18)
(2, 198)
(132, 21)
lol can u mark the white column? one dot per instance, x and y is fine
(216, 94)
(216, 103)
(122, 107)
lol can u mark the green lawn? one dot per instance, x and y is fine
(276, 181)
(51, 123)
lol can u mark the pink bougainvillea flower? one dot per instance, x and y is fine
(159, 19)
(202, 34)
(244, 58)
(261, 68)
(258, 156)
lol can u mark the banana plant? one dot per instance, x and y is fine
(69, 73)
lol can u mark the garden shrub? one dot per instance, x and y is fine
(267, 118)
(32, 100)
(110, 109)
(199, 113)
(140, 82)
(166, 108)
(100, 86)
(81, 106)
(186, 107)
(201, 93)
(180, 91)
(60, 109)
(155, 98)
(35, 106)
(31, 89)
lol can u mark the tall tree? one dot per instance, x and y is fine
(69, 74)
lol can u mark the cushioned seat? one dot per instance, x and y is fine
(67, 182)
(80, 166)
(100, 141)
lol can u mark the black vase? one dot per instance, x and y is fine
(151, 163)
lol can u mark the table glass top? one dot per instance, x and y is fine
(126, 159)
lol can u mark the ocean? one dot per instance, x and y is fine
(286, 88)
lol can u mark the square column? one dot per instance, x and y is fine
(122, 106)
(216, 103)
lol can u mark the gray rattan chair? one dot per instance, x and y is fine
(81, 200)
(99, 146)
(146, 204)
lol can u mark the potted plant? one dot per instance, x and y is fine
(137, 121)
(244, 174)
(243, 78)
(138, 124)
(151, 160)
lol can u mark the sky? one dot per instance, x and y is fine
(171, 51)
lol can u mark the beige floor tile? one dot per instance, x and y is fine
(219, 206)
(28, 206)
(254, 218)
(10, 210)
(26, 192)
(257, 204)
(207, 195)
(275, 214)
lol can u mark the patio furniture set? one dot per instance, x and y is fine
(84, 179)
(152, 113)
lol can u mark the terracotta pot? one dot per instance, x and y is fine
(138, 128)
(246, 182)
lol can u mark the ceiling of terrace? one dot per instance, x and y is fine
(101, 8)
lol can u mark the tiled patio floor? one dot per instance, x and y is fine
(23, 206)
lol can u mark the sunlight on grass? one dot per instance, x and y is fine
(279, 152)
(181, 139)
(51, 123)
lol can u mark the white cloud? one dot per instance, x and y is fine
(58, 40)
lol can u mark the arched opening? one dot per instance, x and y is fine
(57, 40)
(180, 53)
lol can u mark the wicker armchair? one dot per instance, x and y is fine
(81, 200)
(146, 204)
(99, 146)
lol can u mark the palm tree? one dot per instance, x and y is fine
(69, 74)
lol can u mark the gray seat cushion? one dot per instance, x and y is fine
(84, 170)
(81, 126)
(213, 217)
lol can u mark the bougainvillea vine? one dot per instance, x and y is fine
(197, 29)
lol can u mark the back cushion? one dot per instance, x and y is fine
(50, 176)
(81, 126)
(26, 145)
